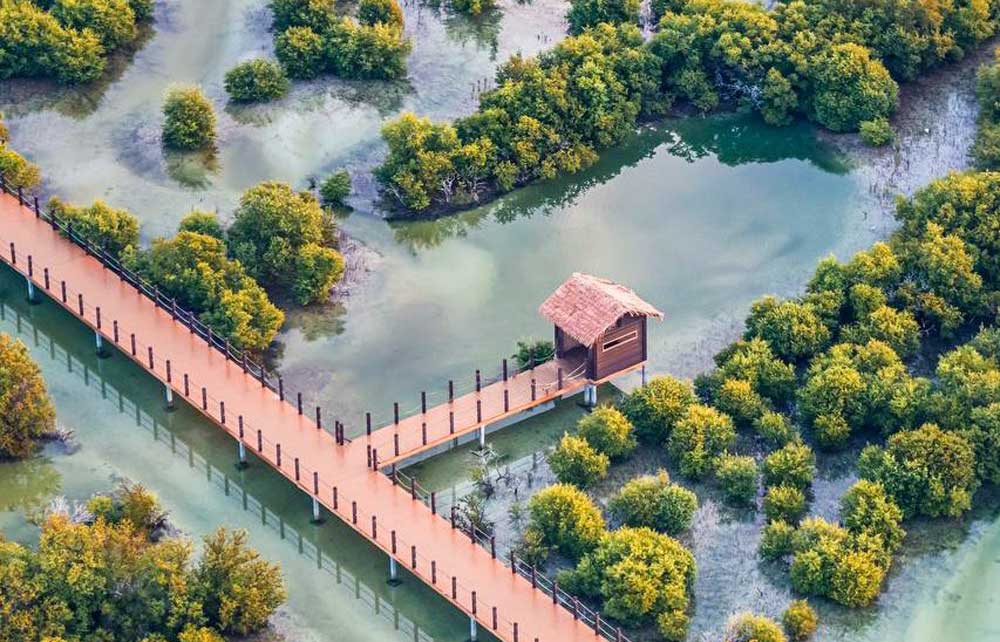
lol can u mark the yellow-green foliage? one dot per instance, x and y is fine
(746, 627)
(926, 471)
(107, 227)
(698, 438)
(106, 580)
(642, 577)
(189, 119)
(584, 14)
(193, 268)
(574, 461)
(608, 431)
(563, 517)
(70, 41)
(655, 408)
(15, 169)
(26, 411)
(792, 465)
(799, 620)
(651, 501)
(737, 474)
(286, 241)
(311, 40)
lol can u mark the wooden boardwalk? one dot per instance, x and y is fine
(512, 604)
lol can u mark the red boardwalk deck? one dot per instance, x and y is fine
(338, 476)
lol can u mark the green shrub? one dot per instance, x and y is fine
(189, 120)
(376, 52)
(738, 477)
(799, 620)
(113, 229)
(775, 428)
(239, 590)
(793, 330)
(850, 87)
(738, 399)
(26, 410)
(284, 239)
(877, 132)
(387, 12)
(257, 80)
(202, 223)
(785, 503)
(318, 15)
(336, 188)
(776, 540)
(533, 352)
(301, 51)
(926, 471)
(792, 465)
(193, 269)
(574, 461)
(866, 509)
(589, 13)
(654, 408)
(17, 171)
(651, 501)
(113, 21)
(699, 437)
(563, 517)
(641, 576)
(608, 431)
(746, 627)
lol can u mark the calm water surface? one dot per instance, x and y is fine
(700, 216)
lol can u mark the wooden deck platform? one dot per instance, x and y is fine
(337, 476)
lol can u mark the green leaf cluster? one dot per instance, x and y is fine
(311, 40)
(652, 501)
(26, 410)
(257, 80)
(563, 518)
(188, 119)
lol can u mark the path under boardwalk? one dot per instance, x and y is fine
(338, 476)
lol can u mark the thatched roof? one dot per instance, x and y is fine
(585, 306)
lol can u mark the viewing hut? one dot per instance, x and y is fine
(600, 322)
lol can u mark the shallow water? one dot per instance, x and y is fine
(700, 216)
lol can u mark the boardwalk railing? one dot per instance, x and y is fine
(221, 479)
(487, 541)
(351, 510)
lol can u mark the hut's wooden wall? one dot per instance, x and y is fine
(621, 346)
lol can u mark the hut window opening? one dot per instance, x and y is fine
(620, 341)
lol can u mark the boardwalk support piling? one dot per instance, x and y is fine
(473, 629)
(393, 572)
(316, 517)
(32, 299)
(168, 394)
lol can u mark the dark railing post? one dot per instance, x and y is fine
(532, 388)
(505, 370)
(31, 267)
(114, 330)
(132, 338)
(395, 444)
(392, 541)
(368, 423)
(494, 618)
(149, 351)
(187, 386)
(296, 469)
(479, 381)
(169, 374)
(506, 400)
(79, 300)
(413, 487)
(423, 402)
(395, 412)
(281, 389)
(63, 287)
(298, 401)
(423, 433)
(319, 419)
(560, 374)
(434, 572)
(13, 254)
(434, 506)
(204, 398)
(354, 512)
(493, 546)
(534, 577)
(277, 454)
(473, 602)
(513, 564)
(451, 391)
(374, 528)
(222, 412)
(413, 556)
(453, 517)
(479, 411)
(260, 442)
